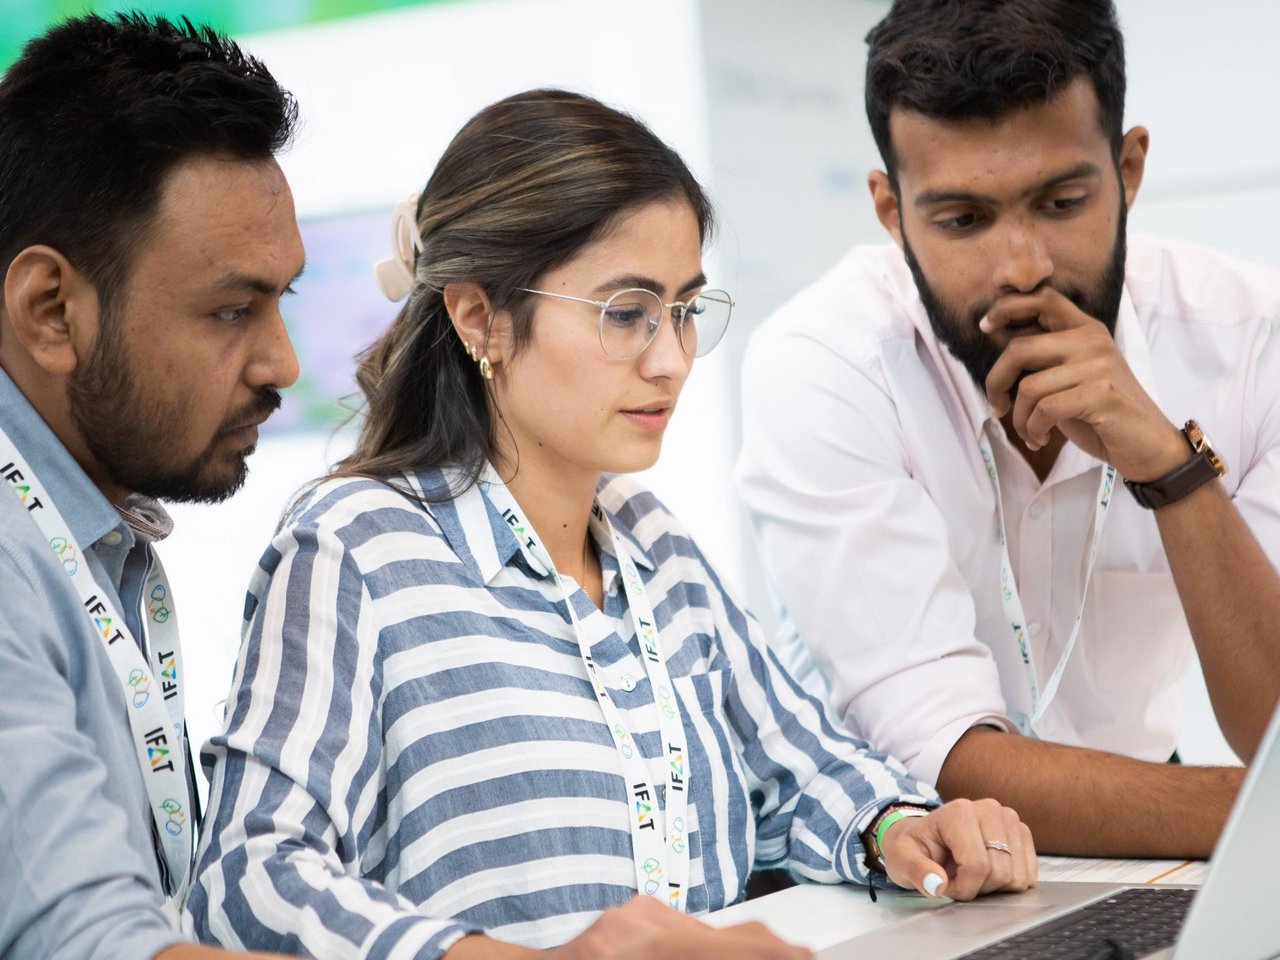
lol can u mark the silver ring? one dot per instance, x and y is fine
(999, 845)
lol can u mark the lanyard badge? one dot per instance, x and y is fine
(152, 690)
(659, 839)
(1012, 601)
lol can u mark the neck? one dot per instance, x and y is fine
(1041, 461)
(48, 397)
(559, 507)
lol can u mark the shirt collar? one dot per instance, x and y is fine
(88, 514)
(475, 528)
(624, 529)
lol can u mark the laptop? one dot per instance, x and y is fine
(1232, 916)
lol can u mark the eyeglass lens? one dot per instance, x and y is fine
(631, 319)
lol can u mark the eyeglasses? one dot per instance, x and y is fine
(629, 320)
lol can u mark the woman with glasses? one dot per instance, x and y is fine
(489, 686)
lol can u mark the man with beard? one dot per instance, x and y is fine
(936, 435)
(146, 237)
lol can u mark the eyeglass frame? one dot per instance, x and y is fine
(602, 305)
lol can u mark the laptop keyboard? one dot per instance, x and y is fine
(1144, 920)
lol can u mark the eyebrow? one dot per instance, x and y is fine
(1080, 171)
(630, 280)
(236, 280)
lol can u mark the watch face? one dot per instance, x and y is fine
(1201, 443)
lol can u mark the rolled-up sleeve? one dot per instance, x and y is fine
(816, 788)
(1256, 482)
(294, 836)
(858, 553)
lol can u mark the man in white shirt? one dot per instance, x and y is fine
(991, 379)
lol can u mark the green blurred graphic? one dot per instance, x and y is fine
(20, 20)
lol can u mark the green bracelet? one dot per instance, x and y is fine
(889, 819)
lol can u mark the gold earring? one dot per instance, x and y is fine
(471, 349)
(486, 368)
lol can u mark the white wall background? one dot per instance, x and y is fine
(764, 101)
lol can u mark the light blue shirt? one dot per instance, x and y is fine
(79, 878)
(414, 749)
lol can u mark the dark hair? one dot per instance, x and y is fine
(981, 59)
(97, 112)
(525, 184)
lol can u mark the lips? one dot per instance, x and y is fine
(256, 412)
(1023, 328)
(654, 416)
(249, 424)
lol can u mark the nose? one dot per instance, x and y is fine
(1022, 263)
(665, 358)
(274, 364)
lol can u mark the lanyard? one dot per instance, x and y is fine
(1012, 601)
(659, 862)
(155, 709)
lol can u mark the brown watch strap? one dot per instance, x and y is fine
(1202, 467)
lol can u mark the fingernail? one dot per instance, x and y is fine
(931, 884)
(985, 324)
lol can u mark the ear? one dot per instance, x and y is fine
(51, 307)
(471, 313)
(1133, 162)
(885, 200)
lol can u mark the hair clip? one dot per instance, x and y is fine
(395, 274)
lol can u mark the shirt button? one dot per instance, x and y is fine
(1033, 628)
(1036, 511)
(112, 538)
(628, 684)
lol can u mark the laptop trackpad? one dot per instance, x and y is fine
(980, 917)
(947, 930)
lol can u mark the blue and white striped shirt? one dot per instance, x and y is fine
(414, 750)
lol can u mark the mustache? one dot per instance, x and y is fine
(265, 402)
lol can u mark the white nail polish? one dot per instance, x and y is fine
(931, 884)
(985, 324)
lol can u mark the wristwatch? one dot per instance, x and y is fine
(1204, 465)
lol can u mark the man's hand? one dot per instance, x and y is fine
(972, 846)
(644, 929)
(1074, 379)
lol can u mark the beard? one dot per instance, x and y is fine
(977, 352)
(132, 435)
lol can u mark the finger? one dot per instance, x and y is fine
(1000, 859)
(1032, 391)
(913, 868)
(961, 834)
(1071, 394)
(652, 912)
(1029, 852)
(1020, 357)
(1051, 310)
(1091, 349)
(752, 940)
(1058, 410)
(1020, 879)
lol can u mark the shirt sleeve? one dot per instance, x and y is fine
(73, 886)
(858, 553)
(296, 824)
(816, 788)
(1257, 489)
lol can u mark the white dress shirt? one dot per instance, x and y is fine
(878, 522)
